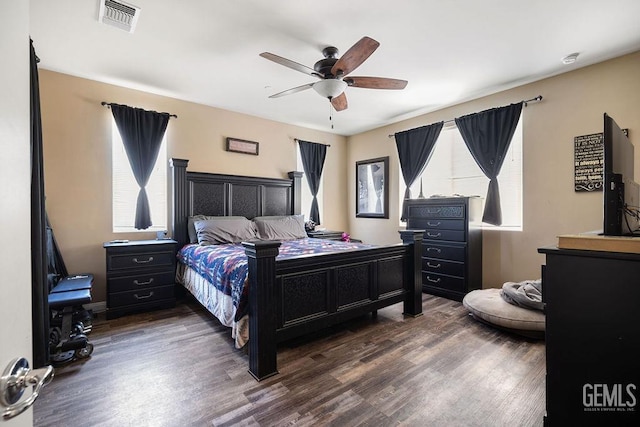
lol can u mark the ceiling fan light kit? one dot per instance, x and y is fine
(330, 88)
(332, 72)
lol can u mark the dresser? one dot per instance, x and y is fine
(452, 246)
(140, 276)
(592, 338)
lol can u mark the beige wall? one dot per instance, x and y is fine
(573, 105)
(77, 149)
(77, 134)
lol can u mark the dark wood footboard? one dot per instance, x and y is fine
(292, 297)
(295, 296)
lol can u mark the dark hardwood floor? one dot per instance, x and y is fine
(179, 367)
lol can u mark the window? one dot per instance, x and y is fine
(125, 188)
(452, 170)
(307, 198)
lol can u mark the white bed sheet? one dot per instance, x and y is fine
(216, 302)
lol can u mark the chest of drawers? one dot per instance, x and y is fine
(452, 246)
(140, 276)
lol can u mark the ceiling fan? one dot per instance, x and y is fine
(333, 73)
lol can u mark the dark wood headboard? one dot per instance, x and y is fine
(198, 193)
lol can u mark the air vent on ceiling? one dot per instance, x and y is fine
(119, 14)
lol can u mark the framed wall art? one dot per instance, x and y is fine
(242, 146)
(372, 188)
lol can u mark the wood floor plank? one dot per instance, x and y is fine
(179, 367)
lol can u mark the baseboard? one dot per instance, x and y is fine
(96, 307)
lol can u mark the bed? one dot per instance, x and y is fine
(288, 293)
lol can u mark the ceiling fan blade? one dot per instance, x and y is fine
(290, 64)
(340, 102)
(375, 82)
(292, 90)
(355, 56)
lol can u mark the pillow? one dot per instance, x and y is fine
(288, 227)
(228, 230)
(191, 229)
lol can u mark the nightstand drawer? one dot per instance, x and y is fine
(141, 296)
(138, 260)
(140, 281)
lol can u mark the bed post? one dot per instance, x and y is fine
(262, 302)
(413, 301)
(296, 192)
(179, 205)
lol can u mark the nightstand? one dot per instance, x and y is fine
(140, 276)
(330, 235)
(325, 234)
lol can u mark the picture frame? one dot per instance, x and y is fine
(242, 146)
(372, 188)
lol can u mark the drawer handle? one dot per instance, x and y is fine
(434, 249)
(433, 224)
(137, 261)
(433, 280)
(433, 265)
(433, 235)
(143, 296)
(148, 282)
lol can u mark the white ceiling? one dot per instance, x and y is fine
(450, 51)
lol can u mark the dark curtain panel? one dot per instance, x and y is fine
(488, 136)
(313, 156)
(414, 151)
(141, 133)
(39, 284)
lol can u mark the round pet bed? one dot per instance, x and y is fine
(488, 306)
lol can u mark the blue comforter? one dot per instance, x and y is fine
(226, 267)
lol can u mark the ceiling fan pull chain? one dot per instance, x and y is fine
(330, 113)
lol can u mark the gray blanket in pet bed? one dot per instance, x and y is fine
(526, 294)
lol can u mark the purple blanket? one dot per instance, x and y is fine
(225, 266)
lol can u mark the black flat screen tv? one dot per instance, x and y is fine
(621, 192)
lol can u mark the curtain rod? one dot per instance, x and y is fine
(297, 140)
(109, 104)
(525, 102)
